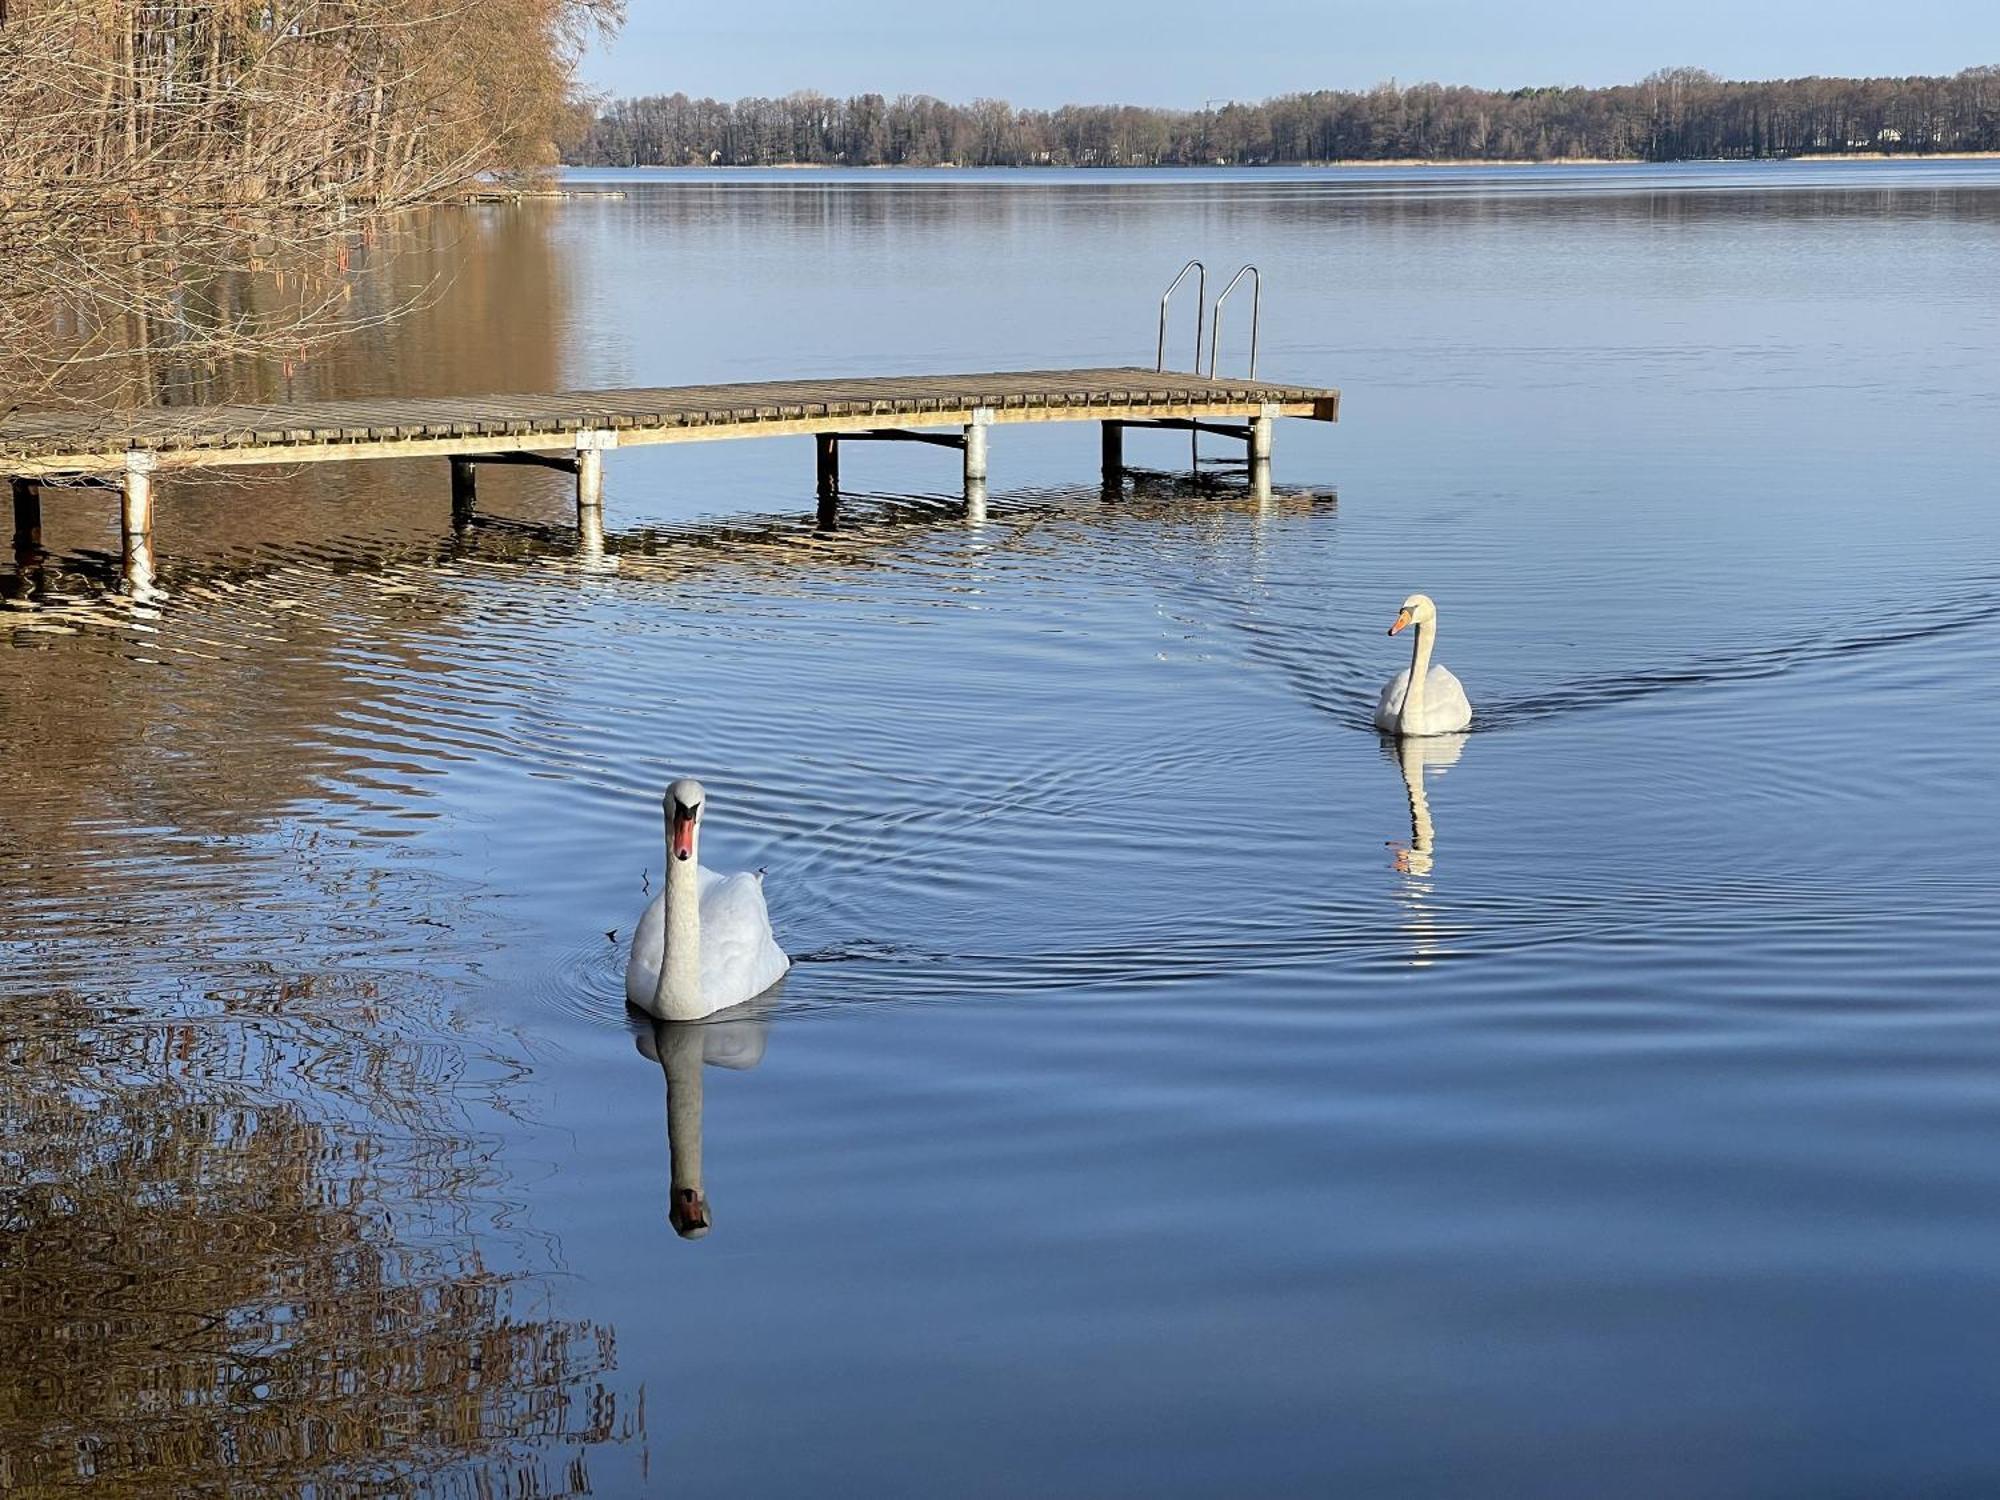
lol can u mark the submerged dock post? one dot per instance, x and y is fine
(826, 455)
(975, 444)
(1114, 451)
(590, 539)
(464, 493)
(27, 519)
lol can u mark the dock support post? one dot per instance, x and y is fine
(464, 493)
(975, 503)
(27, 520)
(590, 446)
(1260, 434)
(135, 517)
(975, 444)
(589, 479)
(826, 454)
(136, 514)
(1114, 451)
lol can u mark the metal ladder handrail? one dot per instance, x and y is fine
(1215, 325)
(1200, 306)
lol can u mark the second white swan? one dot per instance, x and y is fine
(705, 943)
(1423, 699)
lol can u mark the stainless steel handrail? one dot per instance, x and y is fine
(1256, 316)
(1200, 306)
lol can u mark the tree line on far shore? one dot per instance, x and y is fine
(1673, 115)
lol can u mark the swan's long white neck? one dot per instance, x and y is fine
(677, 997)
(1420, 669)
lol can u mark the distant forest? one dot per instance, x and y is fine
(1676, 115)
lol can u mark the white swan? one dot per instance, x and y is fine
(1423, 699)
(705, 943)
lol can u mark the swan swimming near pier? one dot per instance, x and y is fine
(1423, 699)
(705, 943)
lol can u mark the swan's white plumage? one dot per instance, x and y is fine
(740, 958)
(1446, 709)
(1439, 705)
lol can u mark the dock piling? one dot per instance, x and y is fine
(590, 446)
(1260, 433)
(826, 454)
(27, 520)
(975, 444)
(136, 522)
(464, 493)
(136, 515)
(1114, 451)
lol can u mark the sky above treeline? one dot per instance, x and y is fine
(1181, 54)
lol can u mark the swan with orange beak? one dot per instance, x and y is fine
(705, 943)
(1424, 698)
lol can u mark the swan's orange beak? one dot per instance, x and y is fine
(1402, 619)
(683, 840)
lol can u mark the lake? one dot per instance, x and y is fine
(1178, 1090)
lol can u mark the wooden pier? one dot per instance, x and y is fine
(573, 430)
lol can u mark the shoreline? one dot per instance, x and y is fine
(1816, 158)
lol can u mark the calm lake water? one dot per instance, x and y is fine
(1179, 1092)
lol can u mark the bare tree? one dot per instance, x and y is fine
(189, 181)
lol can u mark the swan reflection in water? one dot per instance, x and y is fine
(1417, 860)
(682, 1048)
(1413, 756)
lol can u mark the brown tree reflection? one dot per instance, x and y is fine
(221, 1268)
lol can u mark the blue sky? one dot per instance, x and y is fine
(1173, 52)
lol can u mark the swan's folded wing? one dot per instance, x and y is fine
(1389, 707)
(739, 956)
(1446, 708)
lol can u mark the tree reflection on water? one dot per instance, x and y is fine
(232, 1256)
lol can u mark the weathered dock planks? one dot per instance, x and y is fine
(45, 443)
